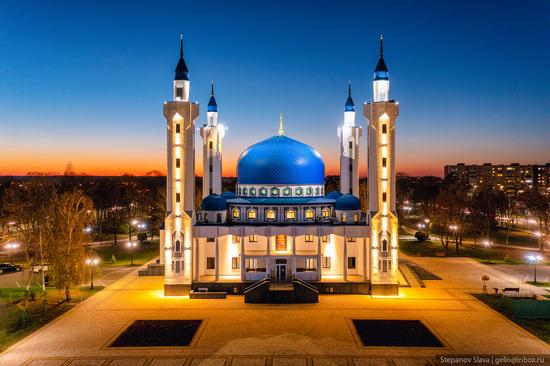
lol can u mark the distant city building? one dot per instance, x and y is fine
(511, 178)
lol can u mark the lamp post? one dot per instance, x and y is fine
(134, 222)
(92, 262)
(131, 245)
(487, 244)
(11, 247)
(534, 258)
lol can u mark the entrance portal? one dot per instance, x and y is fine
(280, 270)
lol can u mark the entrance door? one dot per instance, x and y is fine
(280, 272)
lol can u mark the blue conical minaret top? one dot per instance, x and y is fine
(182, 72)
(212, 105)
(350, 107)
(381, 71)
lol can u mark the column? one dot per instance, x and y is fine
(365, 263)
(319, 259)
(293, 256)
(268, 259)
(345, 257)
(196, 262)
(243, 264)
(217, 259)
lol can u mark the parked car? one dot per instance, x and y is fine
(37, 268)
(9, 267)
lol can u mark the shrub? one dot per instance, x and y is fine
(420, 236)
(142, 237)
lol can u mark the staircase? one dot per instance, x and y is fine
(265, 291)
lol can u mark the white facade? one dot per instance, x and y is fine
(275, 226)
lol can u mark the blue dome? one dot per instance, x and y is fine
(334, 195)
(214, 202)
(228, 195)
(280, 160)
(348, 202)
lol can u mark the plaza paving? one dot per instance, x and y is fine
(234, 333)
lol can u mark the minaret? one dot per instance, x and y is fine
(212, 137)
(177, 237)
(350, 137)
(381, 114)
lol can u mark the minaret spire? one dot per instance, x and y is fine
(349, 106)
(349, 88)
(281, 124)
(181, 45)
(381, 48)
(212, 92)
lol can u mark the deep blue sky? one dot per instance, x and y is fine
(84, 81)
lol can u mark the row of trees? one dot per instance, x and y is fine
(456, 211)
(54, 217)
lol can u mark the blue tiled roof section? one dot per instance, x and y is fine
(334, 195)
(348, 202)
(349, 107)
(381, 70)
(228, 194)
(214, 202)
(281, 201)
(280, 160)
(212, 106)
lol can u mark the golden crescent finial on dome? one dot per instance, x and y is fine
(281, 124)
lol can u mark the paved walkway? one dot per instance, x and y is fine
(234, 333)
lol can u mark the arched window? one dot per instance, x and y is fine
(245, 192)
(310, 214)
(252, 191)
(251, 214)
(317, 191)
(344, 217)
(219, 218)
(178, 246)
(290, 214)
(326, 213)
(309, 191)
(236, 213)
(356, 217)
(205, 217)
(384, 245)
(270, 214)
(299, 191)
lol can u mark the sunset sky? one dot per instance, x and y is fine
(84, 82)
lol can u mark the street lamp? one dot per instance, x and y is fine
(534, 258)
(134, 222)
(487, 244)
(131, 245)
(92, 262)
(12, 247)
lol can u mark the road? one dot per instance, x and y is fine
(524, 271)
(103, 277)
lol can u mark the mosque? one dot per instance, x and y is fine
(279, 225)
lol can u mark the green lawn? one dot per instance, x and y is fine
(142, 254)
(434, 248)
(539, 327)
(539, 283)
(516, 237)
(21, 315)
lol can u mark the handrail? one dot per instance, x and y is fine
(305, 284)
(256, 285)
